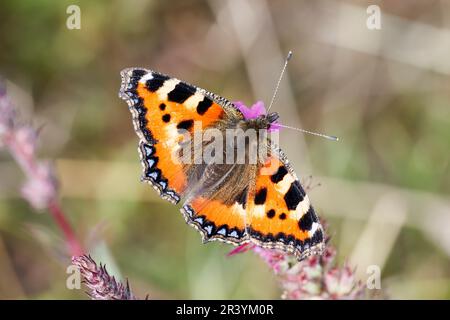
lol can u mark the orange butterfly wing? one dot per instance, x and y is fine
(273, 212)
(280, 215)
(216, 220)
(162, 105)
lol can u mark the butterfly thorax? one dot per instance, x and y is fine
(264, 121)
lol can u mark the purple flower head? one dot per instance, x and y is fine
(254, 112)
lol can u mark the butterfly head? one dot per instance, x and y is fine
(258, 116)
(272, 117)
(266, 121)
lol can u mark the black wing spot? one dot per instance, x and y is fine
(136, 75)
(181, 93)
(294, 195)
(156, 82)
(317, 237)
(166, 117)
(306, 221)
(162, 106)
(270, 213)
(204, 105)
(260, 197)
(279, 175)
(282, 216)
(185, 124)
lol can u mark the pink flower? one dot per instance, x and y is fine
(41, 187)
(316, 277)
(254, 112)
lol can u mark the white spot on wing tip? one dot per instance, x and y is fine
(146, 77)
(314, 227)
(168, 86)
(193, 101)
(284, 185)
(301, 209)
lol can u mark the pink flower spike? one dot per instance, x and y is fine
(316, 277)
(41, 188)
(101, 285)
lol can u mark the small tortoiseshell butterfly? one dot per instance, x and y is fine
(262, 203)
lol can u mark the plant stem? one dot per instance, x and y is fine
(72, 242)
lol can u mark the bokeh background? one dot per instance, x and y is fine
(384, 186)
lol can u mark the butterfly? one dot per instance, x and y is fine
(237, 203)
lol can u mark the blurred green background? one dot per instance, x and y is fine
(384, 186)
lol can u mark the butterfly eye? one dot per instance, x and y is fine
(272, 117)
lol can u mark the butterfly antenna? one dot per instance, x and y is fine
(289, 56)
(333, 138)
